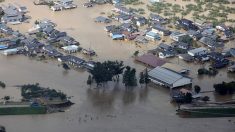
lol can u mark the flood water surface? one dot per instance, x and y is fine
(112, 109)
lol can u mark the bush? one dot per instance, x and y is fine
(225, 88)
(2, 84)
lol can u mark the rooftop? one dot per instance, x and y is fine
(151, 60)
(165, 75)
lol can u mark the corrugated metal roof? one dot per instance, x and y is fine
(165, 75)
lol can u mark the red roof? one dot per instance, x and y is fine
(151, 60)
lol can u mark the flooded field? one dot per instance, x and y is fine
(111, 110)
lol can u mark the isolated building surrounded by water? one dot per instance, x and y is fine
(168, 78)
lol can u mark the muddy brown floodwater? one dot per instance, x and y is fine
(111, 110)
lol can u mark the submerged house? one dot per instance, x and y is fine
(177, 36)
(197, 51)
(186, 57)
(72, 60)
(110, 28)
(123, 18)
(186, 24)
(194, 34)
(157, 19)
(101, 19)
(67, 40)
(122, 10)
(161, 30)
(165, 47)
(141, 21)
(210, 42)
(181, 45)
(165, 51)
(42, 25)
(12, 15)
(5, 29)
(55, 35)
(165, 54)
(63, 4)
(51, 51)
(168, 78)
(31, 45)
(152, 36)
(47, 30)
(23, 9)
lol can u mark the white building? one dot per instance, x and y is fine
(168, 78)
(198, 51)
(70, 48)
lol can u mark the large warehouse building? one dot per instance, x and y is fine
(168, 78)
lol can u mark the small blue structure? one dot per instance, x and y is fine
(117, 37)
(2, 47)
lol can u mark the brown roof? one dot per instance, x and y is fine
(151, 60)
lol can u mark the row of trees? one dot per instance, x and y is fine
(31, 91)
(217, 11)
(225, 88)
(111, 71)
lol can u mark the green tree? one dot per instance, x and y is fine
(188, 98)
(136, 53)
(197, 89)
(2, 84)
(89, 80)
(146, 78)
(129, 77)
(187, 39)
(206, 98)
(65, 66)
(36, 22)
(6, 98)
(102, 73)
(142, 79)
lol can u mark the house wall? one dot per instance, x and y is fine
(157, 82)
(158, 31)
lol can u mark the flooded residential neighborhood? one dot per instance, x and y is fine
(76, 39)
